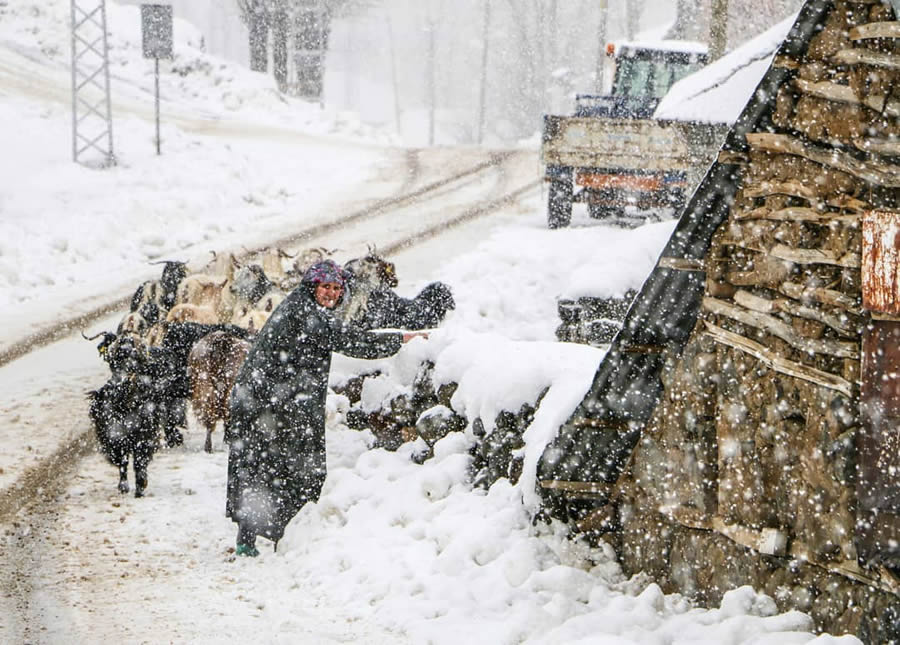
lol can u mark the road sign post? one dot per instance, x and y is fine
(156, 33)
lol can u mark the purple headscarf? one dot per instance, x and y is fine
(325, 271)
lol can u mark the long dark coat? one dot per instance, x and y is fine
(276, 429)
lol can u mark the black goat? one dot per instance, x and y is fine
(125, 413)
(159, 367)
(369, 299)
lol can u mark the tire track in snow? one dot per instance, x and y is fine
(64, 328)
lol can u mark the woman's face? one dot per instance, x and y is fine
(328, 294)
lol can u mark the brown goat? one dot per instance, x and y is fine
(213, 364)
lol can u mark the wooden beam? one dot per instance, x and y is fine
(845, 94)
(786, 62)
(815, 256)
(887, 147)
(825, 296)
(775, 542)
(881, 174)
(849, 203)
(867, 57)
(732, 157)
(681, 264)
(840, 324)
(777, 327)
(778, 363)
(797, 215)
(792, 188)
(876, 30)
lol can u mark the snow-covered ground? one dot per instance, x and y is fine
(394, 552)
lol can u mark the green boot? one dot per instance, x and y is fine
(246, 550)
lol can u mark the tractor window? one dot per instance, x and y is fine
(642, 77)
(632, 77)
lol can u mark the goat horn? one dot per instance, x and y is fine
(168, 261)
(285, 254)
(96, 336)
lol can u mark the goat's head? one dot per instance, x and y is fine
(103, 345)
(374, 269)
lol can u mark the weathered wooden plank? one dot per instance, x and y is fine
(792, 188)
(798, 215)
(876, 30)
(840, 324)
(732, 157)
(781, 329)
(845, 94)
(819, 294)
(815, 256)
(786, 62)
(849, 203)
(882, 174)
(756, 303)
(778, 363)
(881, 262)
(887, 147)
(867, 57)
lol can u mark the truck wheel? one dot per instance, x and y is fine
(559, 204)
(598, 211)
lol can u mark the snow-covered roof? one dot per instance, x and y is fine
(718, 92)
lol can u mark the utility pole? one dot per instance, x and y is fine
(484, 61)
(601, 44)
(91, 108)
(718, 28)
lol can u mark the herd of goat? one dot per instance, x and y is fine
(186, 335)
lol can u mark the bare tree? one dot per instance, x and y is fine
(718, 28)
(308, 23)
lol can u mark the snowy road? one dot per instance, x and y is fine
(72, 568)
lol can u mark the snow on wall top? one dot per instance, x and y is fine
(718, 92)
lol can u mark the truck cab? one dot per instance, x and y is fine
(611, 153)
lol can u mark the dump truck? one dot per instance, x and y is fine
(612, 154)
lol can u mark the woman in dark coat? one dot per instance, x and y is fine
(276, 429)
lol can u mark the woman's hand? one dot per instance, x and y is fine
(408, 336)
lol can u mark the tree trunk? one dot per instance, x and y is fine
(602, 29)
(313, 26)
(278, 23)
(633, 19)
(259, 36)
(484, 63)
(685, 27)
(718, 28)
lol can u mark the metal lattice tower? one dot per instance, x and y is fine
(92, 139)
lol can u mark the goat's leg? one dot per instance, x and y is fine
(173, 414)
(123, 475)
(142, 455)
(140, 476)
